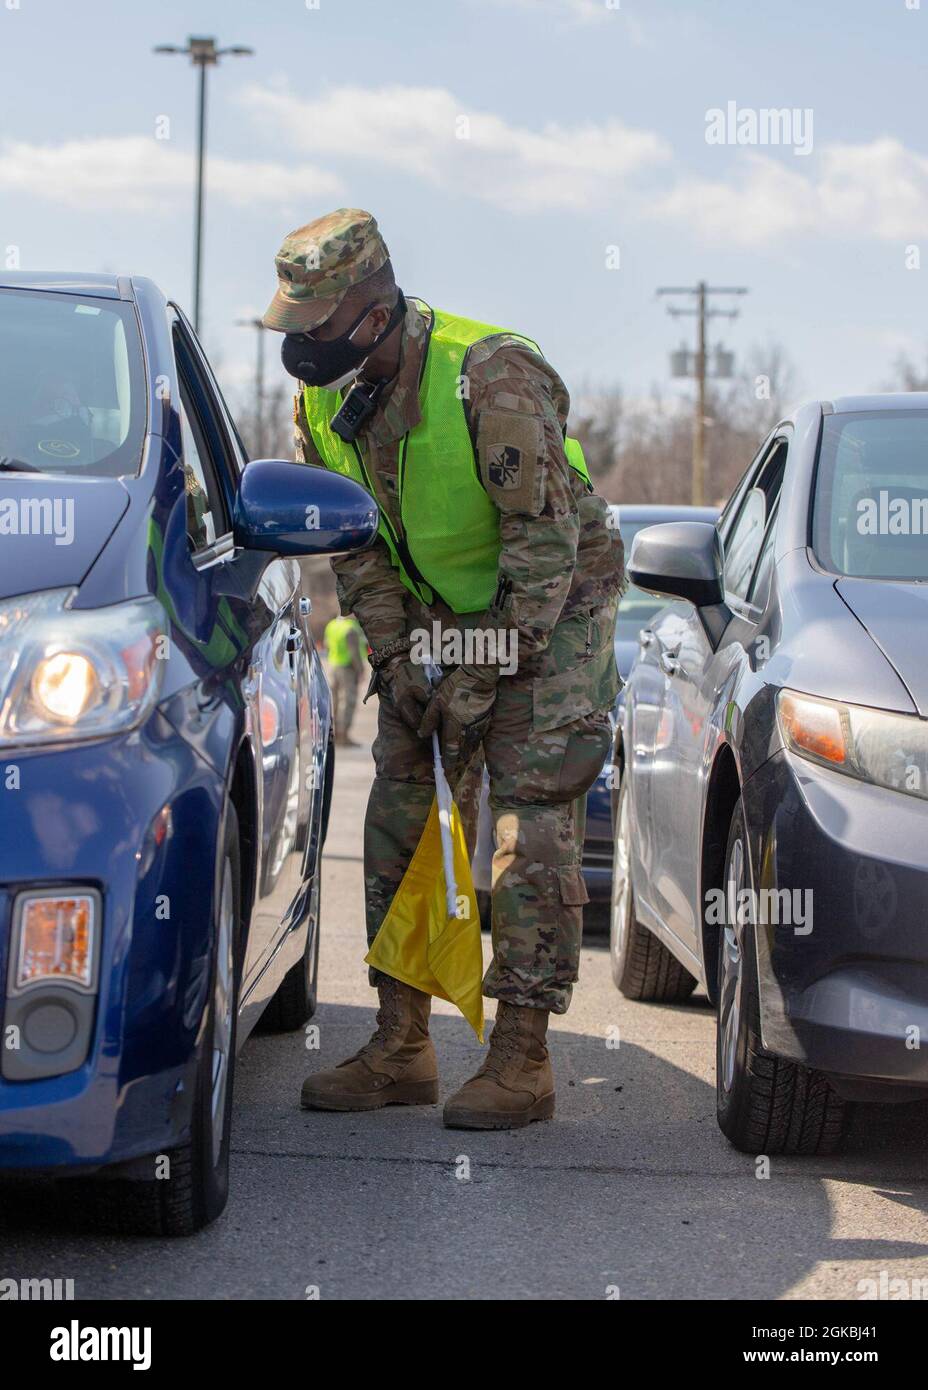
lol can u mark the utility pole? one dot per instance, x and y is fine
(260, 436)
(702, 291)
(203, 54)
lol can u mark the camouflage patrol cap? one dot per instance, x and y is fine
(317, 264)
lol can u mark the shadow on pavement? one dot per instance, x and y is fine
(630, 1187)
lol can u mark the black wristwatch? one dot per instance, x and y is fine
(380, 655)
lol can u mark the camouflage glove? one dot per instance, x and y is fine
(461, 705)
(406, 684)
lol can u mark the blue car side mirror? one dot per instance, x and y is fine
(293, 509)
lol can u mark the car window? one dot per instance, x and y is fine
(744, 541)
(73, 394)
(731, 507)
(870, 513)
(760, 584)
(206, 514)
(203, 505)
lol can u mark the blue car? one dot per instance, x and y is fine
(165, 746)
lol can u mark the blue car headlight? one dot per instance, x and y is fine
(70, 674)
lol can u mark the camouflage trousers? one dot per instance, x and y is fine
(547, 741)
(344, 699)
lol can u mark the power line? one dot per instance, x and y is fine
(701, 312)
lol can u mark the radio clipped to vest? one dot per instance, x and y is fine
(356, 409)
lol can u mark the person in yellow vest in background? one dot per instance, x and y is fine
(494, 556)
(343, 638)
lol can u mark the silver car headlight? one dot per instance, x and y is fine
(70, 674)
(889, 750)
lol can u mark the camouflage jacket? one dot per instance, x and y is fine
(557, 547)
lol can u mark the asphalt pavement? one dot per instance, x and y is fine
(630, 1192)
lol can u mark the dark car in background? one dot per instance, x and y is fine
(772, 828)
(165, 747)
(635, 611)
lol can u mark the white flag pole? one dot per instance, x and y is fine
(443, 796)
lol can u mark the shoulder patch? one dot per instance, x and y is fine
(511, 460)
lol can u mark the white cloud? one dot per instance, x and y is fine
(877, 190)
(429, 133)
(136, 172)
(578, 12)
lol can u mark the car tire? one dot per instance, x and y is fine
(297, 995)
(642, 966)
(765, 1104)
(194, 1187)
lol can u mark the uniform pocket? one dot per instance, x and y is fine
(572, 887)
(588, 742)
(588, 686)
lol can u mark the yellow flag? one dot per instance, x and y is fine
(419, 943)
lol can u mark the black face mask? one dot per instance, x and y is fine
(333, 363)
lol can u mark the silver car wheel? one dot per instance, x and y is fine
(731, 960)
(621, 884)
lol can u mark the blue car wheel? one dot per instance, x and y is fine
(190, 1184)
(295, 1001)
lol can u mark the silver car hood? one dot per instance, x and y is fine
(895, 614)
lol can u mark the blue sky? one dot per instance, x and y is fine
(505, 146)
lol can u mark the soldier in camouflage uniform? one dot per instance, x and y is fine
(544, 727)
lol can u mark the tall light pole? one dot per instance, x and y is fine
(702, 312)
(203, 54)
(260, 441)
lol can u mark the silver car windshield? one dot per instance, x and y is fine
(870, 512)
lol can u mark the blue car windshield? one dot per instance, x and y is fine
(72, 385)
(870, 512)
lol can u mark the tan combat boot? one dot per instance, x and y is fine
(396, 1067)
(515, 1085)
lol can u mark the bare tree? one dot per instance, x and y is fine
(278, 422)
(641, 451)
(909, 375)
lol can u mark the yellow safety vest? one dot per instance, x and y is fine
(447, 545)
(336, 640)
